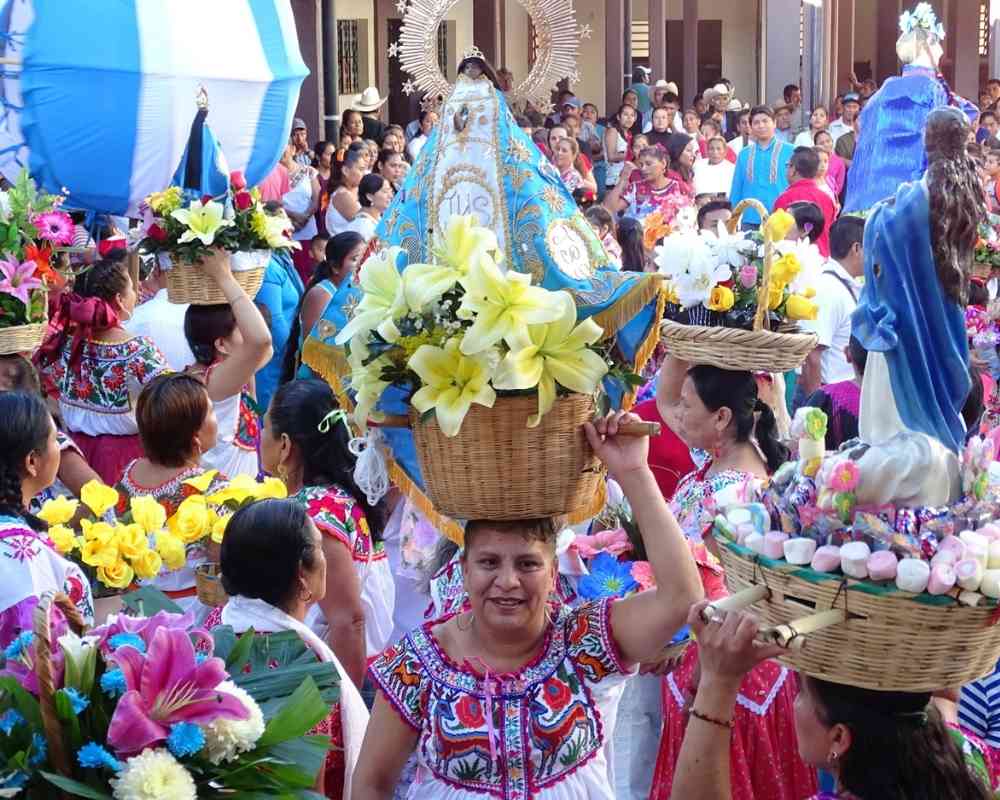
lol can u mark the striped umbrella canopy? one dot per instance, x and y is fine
(99, 95)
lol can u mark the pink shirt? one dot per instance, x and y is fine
(275, 186)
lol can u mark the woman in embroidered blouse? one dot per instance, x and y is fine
(565, 155)
(97, 368)
(305, 444)
(230, 343)
(29, 566)
(879, 745)
(176, 425)
(508, 699)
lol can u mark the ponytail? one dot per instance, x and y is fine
(766, 432)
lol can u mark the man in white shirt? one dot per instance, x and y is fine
(714, 175)
(845, 124)
(163, 322)
(836, 297)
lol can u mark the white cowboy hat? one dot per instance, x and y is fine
(369, 100)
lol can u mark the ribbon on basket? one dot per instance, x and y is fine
(371, 472)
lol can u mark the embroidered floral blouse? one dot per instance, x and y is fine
(548, 719)
(338, 515)
(96, 397)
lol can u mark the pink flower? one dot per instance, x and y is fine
(237, 180)
(167, 686)
(243, 200)
(845, 476)
(614, 542)
(19, 279)
(748, 276)
(643, 574)
(55, 227)
(146, 628)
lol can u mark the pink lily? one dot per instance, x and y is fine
(165, 686)
(643, 574)
(613, 542)
(146, 628)
(18, 279)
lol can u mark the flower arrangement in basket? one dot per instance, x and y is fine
(909, 594)
(32, 226)
(480, 356)
(987, 252)
(153, 709)
(735, 298)
(117, 540)
(179, 229)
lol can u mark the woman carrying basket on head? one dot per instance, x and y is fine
(508, 698)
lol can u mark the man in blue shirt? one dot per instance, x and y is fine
(761, 167)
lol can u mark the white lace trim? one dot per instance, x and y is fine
(760, 709)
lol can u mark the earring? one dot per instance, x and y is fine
(282, 471)
(834, 755)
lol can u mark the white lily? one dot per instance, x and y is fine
(382, 301)
(203, 221)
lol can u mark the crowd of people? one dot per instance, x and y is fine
(499, 690)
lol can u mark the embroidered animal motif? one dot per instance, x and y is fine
(455, 741)
(553, 738)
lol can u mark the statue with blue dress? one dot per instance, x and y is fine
(918, 248)
(478, 162)
(890, 148)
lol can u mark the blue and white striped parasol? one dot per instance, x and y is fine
(102, 95)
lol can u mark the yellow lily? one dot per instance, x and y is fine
(383, 297)
(366, 382)
(779, 224)
(59, 510)
(501, 305)
(452, 382)
(465, 242)
(240, 488)
(554, 353)
(148, 513)
(203, 221)
(203, 481)
(98, 497)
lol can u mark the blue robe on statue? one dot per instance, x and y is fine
(890, 148)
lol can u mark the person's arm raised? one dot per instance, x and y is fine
(236, 370)
(644, 623)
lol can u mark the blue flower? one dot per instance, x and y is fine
(19, 645)
(130, 639)
(93, 756)
(14, 780)
(10, 719)
(608, 578)
(40, 749)
(76, 700)
(682, 635)
(200, 658)
(185, 739)
(113, 682)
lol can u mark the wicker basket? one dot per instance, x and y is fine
(889, 640)
(22, 338)
(58, 756)
(736, 348)
(982, 270)
(498, 468)
(187, 283)
(208, 584)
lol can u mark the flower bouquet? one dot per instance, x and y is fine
(32, 225)
(987, 253)
(490, 366)
(154, 708)
(735, 297)
(179, 229)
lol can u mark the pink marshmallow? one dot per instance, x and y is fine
(774, 544)
(952, 544)
(743, 530)
(882, 565)
(942, 579)
(991, 531)
(826, 559)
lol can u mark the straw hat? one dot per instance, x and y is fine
(369, 100)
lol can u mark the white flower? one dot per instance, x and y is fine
(678, 252)
(5, 209)
(154, 775)
(227, 738)
(812, 263)
(695, 285)
(729, 248)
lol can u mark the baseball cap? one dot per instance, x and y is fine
(573, 101)
(297, 123)
(852, 97)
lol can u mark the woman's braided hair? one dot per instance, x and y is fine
(25, 425)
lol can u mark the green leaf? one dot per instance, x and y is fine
(74, 788)
(240, 654)
(303, 710)
(148, 600)
(25, 703)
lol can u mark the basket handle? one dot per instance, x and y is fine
(791, 635)
(41, 622)
(628, 429)
(763, 293)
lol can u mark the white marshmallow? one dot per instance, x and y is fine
(738, 516)
(912, 575)
(976, 546)
(755, 542)
(854, 559)
(799, 551)
(991, 584)
(969, 574)
(993, 561)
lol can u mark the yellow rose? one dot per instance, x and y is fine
(147, 564)
(63, 538)
(721, 299)
(272, 488)
(98, 497)
(799, 307)
(203, 481)
(775, 295)
(219, 528)
(239, 489)
(148, 513)
(97, 553)
(132, 540)
(171, 550)
(786, 268)
(116, 576)
(97, 531)
(778, 225)
(59, 510)
(192, 520)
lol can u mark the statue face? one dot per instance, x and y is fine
(473, 70)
